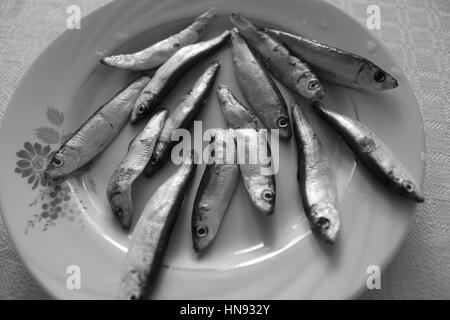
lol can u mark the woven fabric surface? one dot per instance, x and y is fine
(416, 32)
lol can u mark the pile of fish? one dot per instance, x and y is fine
(259, 55)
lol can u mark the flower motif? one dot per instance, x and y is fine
(32, 163)
(55, 199)
(59, 194)
(50, 212)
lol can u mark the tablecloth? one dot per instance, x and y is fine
(416, 32)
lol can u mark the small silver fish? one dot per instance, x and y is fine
(182, 117)
(288, 69)
(336, 65)
(251, 143)
(96, 133)
(151, 235)
(373, 153)
(215, 191)
(129, 169)
(316, 181)
(236, 115)
(158, 53)
(170, 72)
(253, 155)
(259, 89)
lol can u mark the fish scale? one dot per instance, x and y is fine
(151, 235)
(158, 53)
(258, 178)
(261, 188)
(96, 133)
(335, 65)
(288, 69)
(215, 191)
(170, 72)
(133, 164)
(182, 117)
(258, 88)
(373, 153)
(316, 181)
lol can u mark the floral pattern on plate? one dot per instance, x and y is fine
(56, 199)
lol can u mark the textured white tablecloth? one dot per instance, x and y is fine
(417, 33)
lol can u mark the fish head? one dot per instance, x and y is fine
(373, 77)
(310, 87)
(139, 112)
(64, 161)
(325, 220)
(131, 287)
(265, 200)
(405, 185)
(204, 228)
(157, 160)
(409, 189)
(122, 207)
(284, 127)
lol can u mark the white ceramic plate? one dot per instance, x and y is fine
(254, 256)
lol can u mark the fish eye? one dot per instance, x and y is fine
(379, 76)
(201, 231)
(57, 161)
(153, 160)
(268, 195)
(282, 122)
(313, 85)
(323, 223)
(118, 211)
(133, 297)
(409, 187)
(141, 108)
